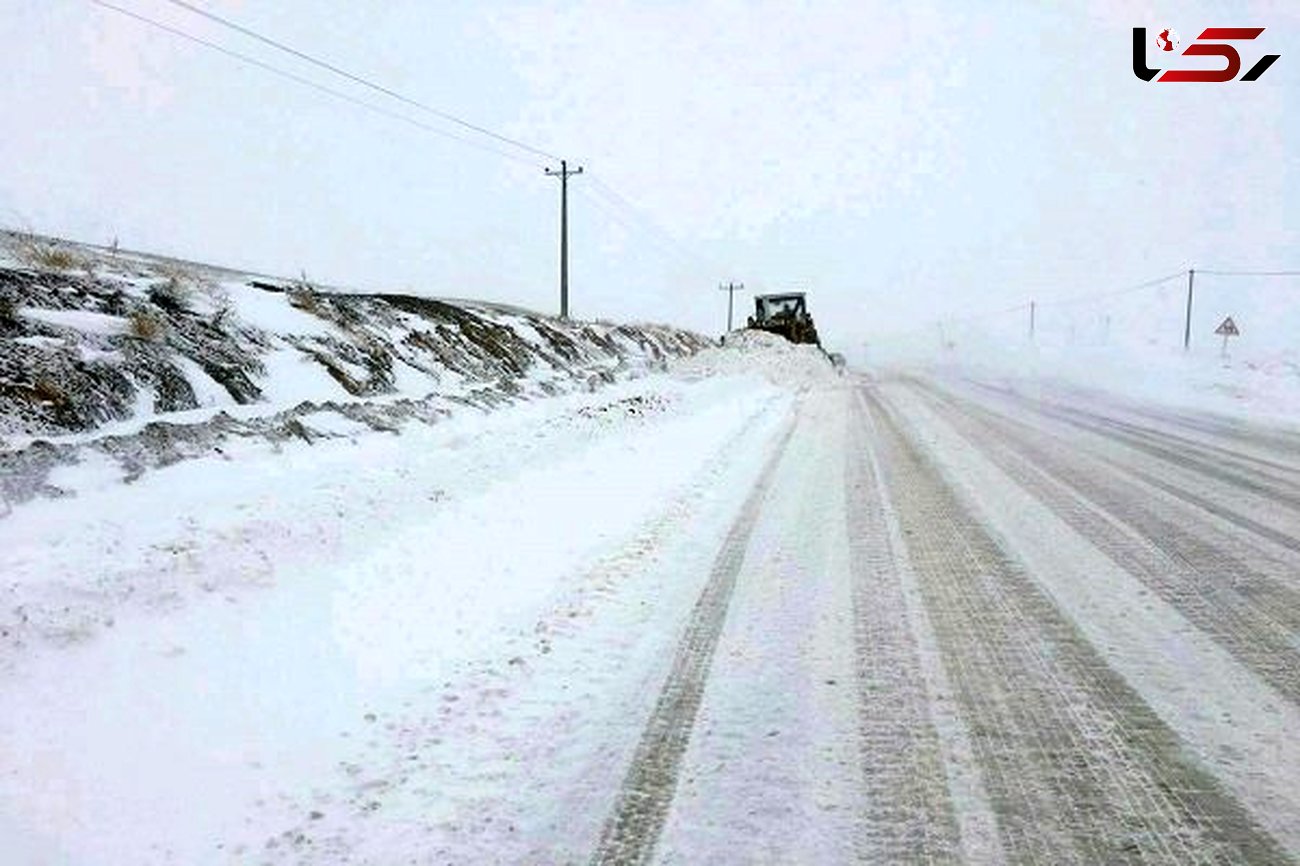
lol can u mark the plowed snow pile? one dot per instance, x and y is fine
(756, 352)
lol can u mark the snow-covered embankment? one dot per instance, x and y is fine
(121, 363)
(345, 642)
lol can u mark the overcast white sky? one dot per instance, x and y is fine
(896, 160)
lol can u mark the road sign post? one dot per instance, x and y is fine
(1227, 328)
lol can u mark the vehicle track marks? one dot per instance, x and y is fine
(1077, 766)
(1181, 452)
(1233, 514)
(632, 830)
(1271, 441)
(909, 813)
(1252, 615)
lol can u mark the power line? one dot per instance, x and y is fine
(603, 207)
(630, 218)
(976, 317)
(619, 200)
(1250, 273)
(1126, 290)
(613, 201)
(668, 250)
(306, 82)
(1189, 273)
(364, 82)
(640, 221)
(1032, 304)
(645, 224)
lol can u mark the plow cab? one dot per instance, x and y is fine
(786, 315)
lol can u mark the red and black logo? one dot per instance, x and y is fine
(1213, 42)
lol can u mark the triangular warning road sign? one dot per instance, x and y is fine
(1228, 328)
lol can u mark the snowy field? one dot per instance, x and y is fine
(259, 643)
(1132, 344)
(742, 609)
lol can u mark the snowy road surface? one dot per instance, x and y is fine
(708, 621)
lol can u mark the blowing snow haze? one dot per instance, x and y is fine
(899, 162)
(327, 537)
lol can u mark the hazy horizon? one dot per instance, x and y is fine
(897, 164)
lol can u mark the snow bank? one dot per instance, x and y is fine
(759, 353)
(256, 657)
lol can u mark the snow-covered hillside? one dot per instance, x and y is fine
(133, 361)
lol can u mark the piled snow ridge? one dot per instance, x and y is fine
(776, 359)
(148, 360)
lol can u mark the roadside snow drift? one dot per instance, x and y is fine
(352, 646)
(758, 353)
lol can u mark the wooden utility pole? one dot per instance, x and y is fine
(731, 289)
(1187, 322)
(563, 175)
(1033, 308)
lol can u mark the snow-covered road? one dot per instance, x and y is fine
(702, 620)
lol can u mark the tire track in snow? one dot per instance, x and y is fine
(1225, 513)
(772, 773)
(1234, 514)
(1284, 474)
(910, 814)
(1269, 440)
(1077, 766)
(1264, 437)
(1257, 450)
(1264, 484)
(633, 827)
(1254, 616)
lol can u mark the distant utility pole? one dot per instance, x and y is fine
(1032, 309)
(563, 175)
(731, 289)
(1187, 322)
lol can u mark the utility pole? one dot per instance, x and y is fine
(1187, 323)
(731, 289)
(1032, 309)
(563, 175)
